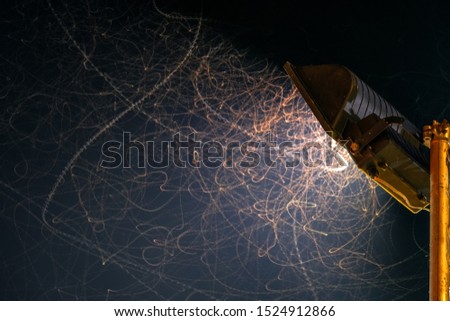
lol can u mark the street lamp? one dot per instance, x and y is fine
(388, 148)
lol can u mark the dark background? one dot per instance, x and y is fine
(400, 48)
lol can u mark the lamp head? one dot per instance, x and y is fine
(381, 141)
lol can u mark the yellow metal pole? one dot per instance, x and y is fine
(438, 137)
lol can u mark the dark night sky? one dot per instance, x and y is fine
(400, 48)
